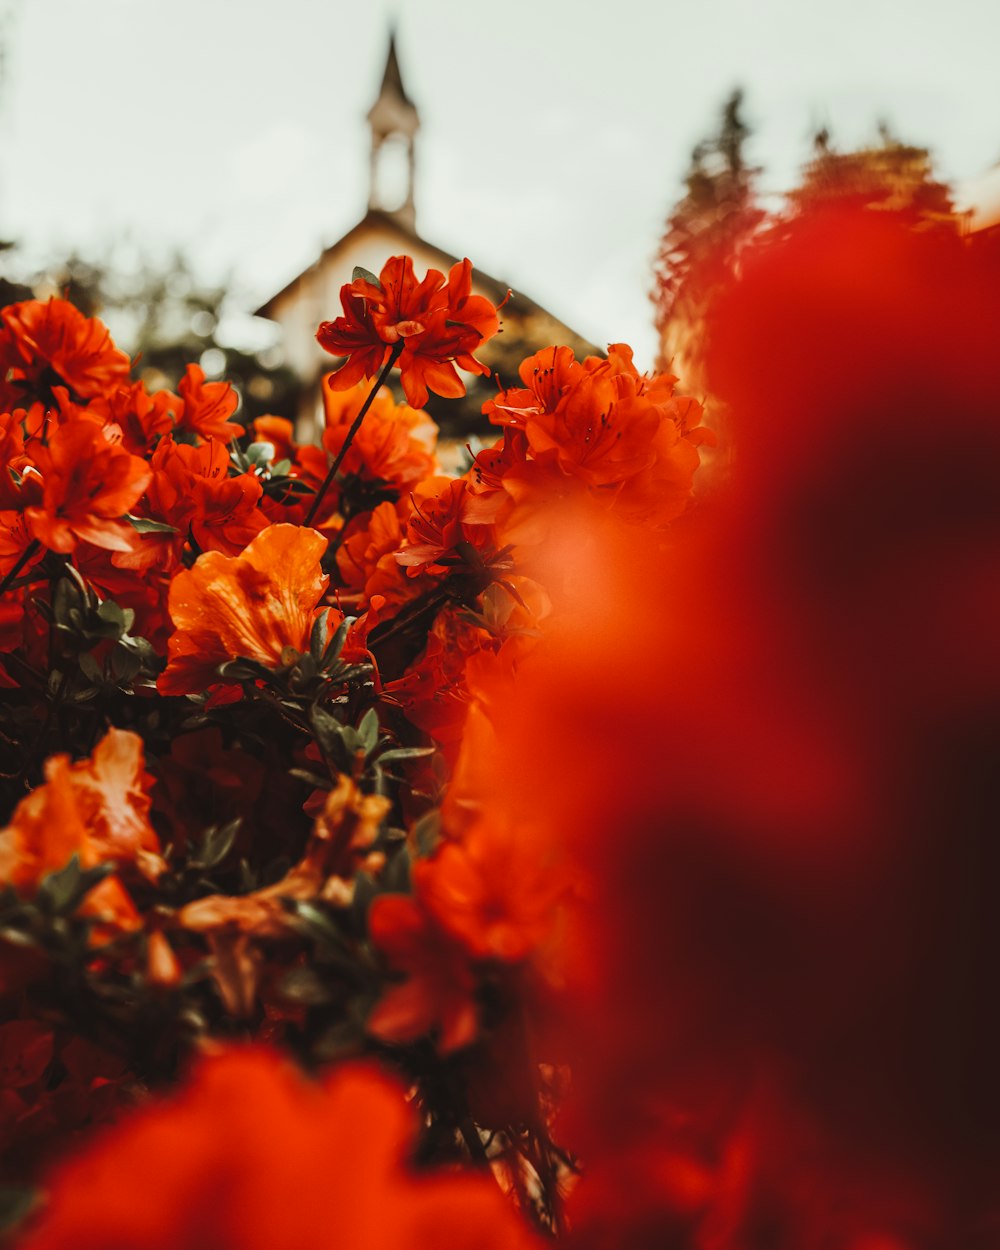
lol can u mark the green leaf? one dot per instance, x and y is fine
(145, 525)
(368, 731)
(260, 453)
(62, 892)
(318, 637)
(365, 275)
(216, 844)
(242, 670)
(396, 875)
(120, 618)
(91, 669)
(311, 779)
(65, 599)
(338, 742)
(315, 921)
(335, 645)
(405, 753)
(125, 664)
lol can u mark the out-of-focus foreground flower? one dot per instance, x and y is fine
(785, 1027)
(250, 1153)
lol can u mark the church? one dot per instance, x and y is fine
(389, 228)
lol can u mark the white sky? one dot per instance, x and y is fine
(555, 133)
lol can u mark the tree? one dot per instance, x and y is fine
(703, 239)
(890, 175)
(165, 317)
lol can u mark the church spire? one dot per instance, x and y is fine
(394, 123)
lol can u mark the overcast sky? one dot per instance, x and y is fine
(555, 133)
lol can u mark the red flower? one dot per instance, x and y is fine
(439, 986)
(430, 326)
(194, 491)
(89, 484)
(97, 809)
(495, 889)
(255, 605)
(56, 336)
(250, 1155)
(207, 406)
(438, 539)
(142, 418)
(395, 443)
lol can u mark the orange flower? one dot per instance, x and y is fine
(394, 444)
(15, 539)
(367, 559)
(438, 538)
(56, 336)
(193, 490)
(97, 809)
(207, 406)
(495, 890)
(251, 606)
(89, 483)
(250, 1155)
(279, 432)
(438, 992)
(142, 418)
(623, 436)
(430, 326)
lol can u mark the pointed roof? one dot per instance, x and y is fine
(491, 287)
(392, 79)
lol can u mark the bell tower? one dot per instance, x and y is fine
(394, 123)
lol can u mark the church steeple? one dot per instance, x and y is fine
(394, 123)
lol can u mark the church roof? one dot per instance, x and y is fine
(493, 288)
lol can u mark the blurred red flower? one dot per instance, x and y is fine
(250, 1155)
(96, 809)
(438, 992)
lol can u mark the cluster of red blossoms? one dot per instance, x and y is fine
(398, 858)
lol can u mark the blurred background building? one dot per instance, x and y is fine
(389, 228)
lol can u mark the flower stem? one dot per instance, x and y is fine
(27, 554)
(339, 458)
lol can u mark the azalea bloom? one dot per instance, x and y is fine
(140, 418)
(89, 483)
(438, 538)
(255, 605)
(430, 326)
(621, 435)
(495, 889)
(366, 560)
(206, 407)
(395, 443)
(55, 336)
(12, 456)
(15, 539)
(96, 809)
(251, 1155)
(194, 491)
(438, 992)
